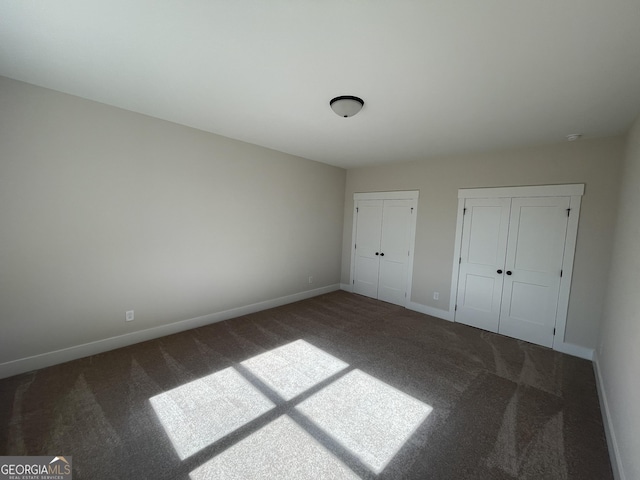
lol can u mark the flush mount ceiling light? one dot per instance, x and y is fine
(346, 105)
(573, 137)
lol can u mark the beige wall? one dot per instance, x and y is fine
(593, 162)
(619, 349)
(104, 210)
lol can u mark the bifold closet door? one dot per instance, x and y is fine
(511, 265)
(394, 264)
(367, 252)
(383, 239)
(484, 242)
(533, 268)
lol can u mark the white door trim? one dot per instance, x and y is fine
(572, 190)
(457, 246)
(399, 195)
(567, 272)
(402, 195)
(575, 191)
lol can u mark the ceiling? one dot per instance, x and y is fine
(438, 77)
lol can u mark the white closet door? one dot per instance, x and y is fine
(537, 232)
(484, 242)
(367, 251)
(394, 251)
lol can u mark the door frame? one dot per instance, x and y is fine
(575, 191)
(398, 195)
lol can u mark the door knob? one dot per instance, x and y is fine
(382, 254)
(499, 271)
(377, 253)
(508, 272)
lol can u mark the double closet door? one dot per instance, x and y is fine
(510, 265)
(383, 234)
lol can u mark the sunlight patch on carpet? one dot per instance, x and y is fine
(293, 368)
(282, 450)
(366, 416)
(361, 419)
(198, 413)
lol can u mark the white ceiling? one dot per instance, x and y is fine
(438, 76)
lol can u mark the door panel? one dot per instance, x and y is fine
(396, 232)
(478, 293)
(537, 233)
(484, 238)
(527, 302)
(485, 234)
(368, 233)
(540, 241)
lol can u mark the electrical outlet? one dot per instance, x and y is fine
(310, 279)
(436, 295)
(128, 316)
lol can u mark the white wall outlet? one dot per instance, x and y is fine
(436, 295)
(128, 316)
(310, 279)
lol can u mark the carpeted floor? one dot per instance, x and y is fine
(338, 386)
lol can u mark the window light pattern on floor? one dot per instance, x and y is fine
(201, 412)
(365, 418)
(282, 450)
(294, 368)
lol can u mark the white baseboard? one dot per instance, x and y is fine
(346, 287)
(568, 348)
(612, 443)
(35, 362)
(427, 310)
(575, 350)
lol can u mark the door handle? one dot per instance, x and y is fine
(381, 254)
(508, 272)
(499, 271)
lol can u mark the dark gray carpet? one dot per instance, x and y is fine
(338, 386)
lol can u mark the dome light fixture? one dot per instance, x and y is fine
(346, 105)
